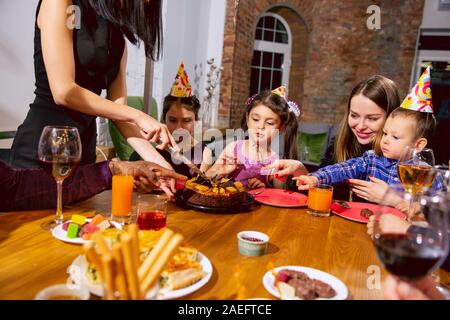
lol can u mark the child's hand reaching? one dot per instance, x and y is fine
(281, 169)
(306, 182)
(223, 167)
(255, 183)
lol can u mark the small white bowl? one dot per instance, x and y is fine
(61, 290)
(252, 248)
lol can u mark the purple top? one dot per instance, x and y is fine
(33, 189)
(247, 169)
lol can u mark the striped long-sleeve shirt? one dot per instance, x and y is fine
(369, 164)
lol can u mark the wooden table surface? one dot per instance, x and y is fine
(32, 259)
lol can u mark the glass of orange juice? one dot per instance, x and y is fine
(319, 200)
(122, 198)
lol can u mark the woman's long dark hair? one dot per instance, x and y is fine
(289, 123)
(139, 20)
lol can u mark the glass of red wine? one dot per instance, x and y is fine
(416, 253)
(151, 211)
(60, 151)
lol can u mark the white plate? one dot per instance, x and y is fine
(335, 283)
(59, 233)
(163, 294)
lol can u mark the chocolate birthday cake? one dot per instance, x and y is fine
(220, 194)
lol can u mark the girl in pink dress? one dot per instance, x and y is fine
(271, 121)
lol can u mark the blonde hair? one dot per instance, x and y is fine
(381, 91)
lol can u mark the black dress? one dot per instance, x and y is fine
(98, 48)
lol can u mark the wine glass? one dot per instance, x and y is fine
(416, 253)
(443, 173)
(415, 169)
(60, 151)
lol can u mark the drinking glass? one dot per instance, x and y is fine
(415, 169)
(151, 211)
(122, 198)
(60, 151)
(319, 200)
(421, 250)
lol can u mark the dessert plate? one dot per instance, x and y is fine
(353, 213)
(59, 233)
(279, 197)
(335, 283)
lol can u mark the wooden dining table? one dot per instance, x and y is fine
(32, 259)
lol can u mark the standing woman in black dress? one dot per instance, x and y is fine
(74, 65)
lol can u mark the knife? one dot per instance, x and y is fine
(177, 153)
(343, 204)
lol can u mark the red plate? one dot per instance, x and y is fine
(279, 197)
(354, 212)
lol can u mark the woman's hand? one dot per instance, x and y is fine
(154, 131)
(373, 190)
(423, 289)
(306, 182)
(281, 169)
(387, 223)
(255, 183)
(148, 175)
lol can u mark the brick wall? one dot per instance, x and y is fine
(332, 51)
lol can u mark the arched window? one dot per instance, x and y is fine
(271, 54)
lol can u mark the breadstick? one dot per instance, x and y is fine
(156, 251)
(108, 267)
(101, 244)
(133, 231)
(130, 267)
(161, 262)
(120, 280)
(93, 258)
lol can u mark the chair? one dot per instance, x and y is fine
(313, 139)
(121, 146)
(5, 153)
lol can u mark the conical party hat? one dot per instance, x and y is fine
(419, 99)
(281, 91)
(181, 88)
(293, 107)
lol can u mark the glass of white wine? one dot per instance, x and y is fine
(60, 151)
(416, 169)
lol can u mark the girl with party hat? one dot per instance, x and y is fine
(180, 111)
(412, 124)
(248, 161)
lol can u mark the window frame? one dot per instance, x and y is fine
(276, 47)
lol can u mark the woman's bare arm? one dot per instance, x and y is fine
(57, 50)
(117, 92)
